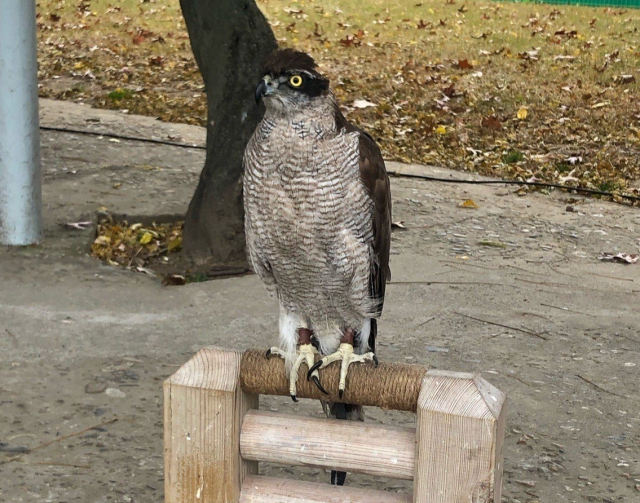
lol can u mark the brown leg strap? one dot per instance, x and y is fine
(304, 336)
(347, 337)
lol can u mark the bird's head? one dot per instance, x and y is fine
(290, 81)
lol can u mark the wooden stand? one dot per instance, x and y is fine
(203, 411)
(214, 437)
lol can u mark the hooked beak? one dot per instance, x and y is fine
(265, 88)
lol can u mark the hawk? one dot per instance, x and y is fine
(318, 223)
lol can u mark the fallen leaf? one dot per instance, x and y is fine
(562, 32)
(464, 64)
(569, 178)
(363, 104)
(530, 55)
(145, 270)
(602, 68)
(450, 91)
(350, 40)
(623, 258)
(102, 240)
(81, 226)
(146, 238)
(398, 225)
(613, 56)
(492, 244)
(441, 129)
(469, 203)
(491, 122)
(156, 61)
(624, 79)
(174, 280)
(522, 113)
(175, 244)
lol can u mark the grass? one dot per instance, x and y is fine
(513, 156)
(464, 85)
(120, 94)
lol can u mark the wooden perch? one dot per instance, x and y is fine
(390, 385)
(214, 438)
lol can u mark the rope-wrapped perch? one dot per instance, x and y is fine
(390, 385)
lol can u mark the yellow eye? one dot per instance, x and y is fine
(295, 81)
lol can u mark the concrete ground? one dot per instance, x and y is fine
(513, 290)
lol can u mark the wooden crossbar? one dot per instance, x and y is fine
(257, 489)
(350, 446)
(214, 436)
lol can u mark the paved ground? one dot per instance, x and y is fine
(82, 343)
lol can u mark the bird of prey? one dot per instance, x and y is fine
(318, 223)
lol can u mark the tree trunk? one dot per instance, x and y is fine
(230, 40)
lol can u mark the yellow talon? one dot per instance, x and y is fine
(306, 354)
(346, 354)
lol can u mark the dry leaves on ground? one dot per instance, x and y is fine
(512, 90)
(134, 245)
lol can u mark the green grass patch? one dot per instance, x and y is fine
(120, 94)
(608, 186)
(513, 156)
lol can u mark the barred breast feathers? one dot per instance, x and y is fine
(309, 217)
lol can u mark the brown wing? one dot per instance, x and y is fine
(375, 179)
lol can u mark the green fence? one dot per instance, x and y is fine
(590, 3)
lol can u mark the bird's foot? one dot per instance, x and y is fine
(306, 354)
(347, 356)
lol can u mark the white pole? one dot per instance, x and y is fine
(20, 183)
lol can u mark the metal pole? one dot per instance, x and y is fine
(20, 183)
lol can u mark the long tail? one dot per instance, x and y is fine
(345, 411)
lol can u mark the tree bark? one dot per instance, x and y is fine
(230, 40)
